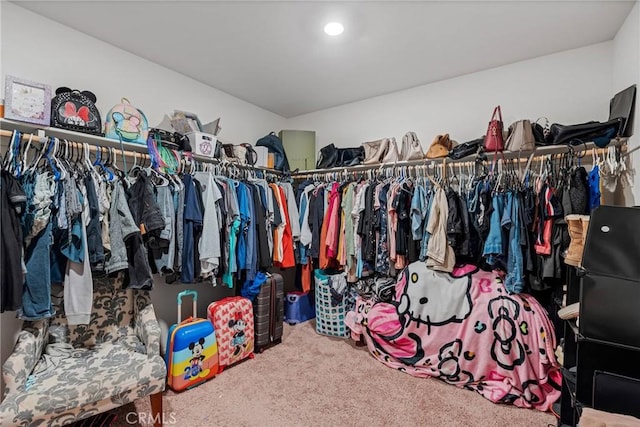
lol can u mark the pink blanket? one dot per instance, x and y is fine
(467, 331)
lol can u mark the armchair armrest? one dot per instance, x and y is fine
(148, 330)
(32, 340)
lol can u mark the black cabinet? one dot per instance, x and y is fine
(607, 342)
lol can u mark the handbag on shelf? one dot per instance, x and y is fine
(494, 139)
(75, 110)
(411, 148)
(392, 155)
(375, 151)
(540, 132)
(440, 147)
(171, 140)
(350, 156)
(598, 132)
(126, 123)
(328, 157)
(520, 136)
(243, 154)
(622, 106)
(465, 149)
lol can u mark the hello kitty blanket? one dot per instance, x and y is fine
(467, 331)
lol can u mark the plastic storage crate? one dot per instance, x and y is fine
(329, 317)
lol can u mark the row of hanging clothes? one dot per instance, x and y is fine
(500, 214)
(68, 217)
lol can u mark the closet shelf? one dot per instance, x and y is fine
(80, 137)
(523, 156)
(100, 141)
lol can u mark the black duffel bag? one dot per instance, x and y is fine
(598, 132)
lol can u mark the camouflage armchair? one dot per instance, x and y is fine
(59, 373)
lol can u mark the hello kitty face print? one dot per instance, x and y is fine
(434, 298)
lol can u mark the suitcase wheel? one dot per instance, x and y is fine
(251, 356)
(220, 369)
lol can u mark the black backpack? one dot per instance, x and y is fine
(274, 145)
(75, 110)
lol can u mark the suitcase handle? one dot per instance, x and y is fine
(194, 294)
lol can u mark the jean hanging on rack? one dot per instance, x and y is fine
(36, 297)
(493, 247)
(514, 281)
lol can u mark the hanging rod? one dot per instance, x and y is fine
(509, 155)
(92, 147)
(132, 149)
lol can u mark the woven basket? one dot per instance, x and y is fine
(329, 317)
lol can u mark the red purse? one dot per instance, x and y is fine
(493, 140)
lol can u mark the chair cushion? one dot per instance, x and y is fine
(73, 383)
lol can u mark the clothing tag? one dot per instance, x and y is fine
(143, 229)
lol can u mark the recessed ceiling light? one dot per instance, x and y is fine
(334, 28)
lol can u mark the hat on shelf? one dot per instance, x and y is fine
(440, 147)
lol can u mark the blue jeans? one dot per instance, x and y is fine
(36, 296)
(493, 246)
(514, 281)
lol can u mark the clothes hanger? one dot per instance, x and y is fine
(11, 152)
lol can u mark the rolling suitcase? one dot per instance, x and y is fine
(232, 319)
(192, 351)
(268, 313)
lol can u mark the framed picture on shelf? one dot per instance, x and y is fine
(27, 101)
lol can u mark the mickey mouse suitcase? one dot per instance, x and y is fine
(192, 350)
(232, 319)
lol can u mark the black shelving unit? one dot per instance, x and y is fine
(583, 356)
(569, 405)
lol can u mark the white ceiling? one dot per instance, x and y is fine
(274, 54)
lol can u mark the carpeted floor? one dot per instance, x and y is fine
(312, 380)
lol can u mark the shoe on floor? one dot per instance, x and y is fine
(570, 311)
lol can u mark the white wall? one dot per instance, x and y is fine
(60, 56)
(42, 50)
(567, 87)
(626, 71)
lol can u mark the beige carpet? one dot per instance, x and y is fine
(312, 380)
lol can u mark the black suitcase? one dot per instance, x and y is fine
(268, 313)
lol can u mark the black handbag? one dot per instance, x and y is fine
(466, 149)
(598, 132)
(350, 156)
(622, 106)
(328, 157)
(75, 110)
(171, 140)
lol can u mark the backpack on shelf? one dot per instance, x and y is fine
(125, 122)
(75, 110)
